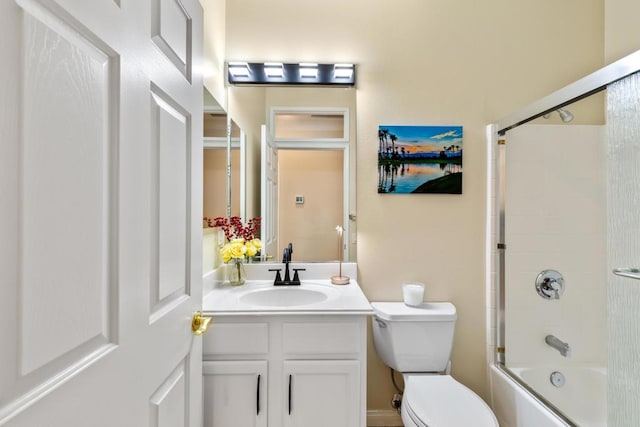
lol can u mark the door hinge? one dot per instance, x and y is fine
(502, 246)
(500, 350)
(502, 141)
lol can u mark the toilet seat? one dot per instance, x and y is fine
(441, 401)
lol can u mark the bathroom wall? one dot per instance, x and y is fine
(622, 33)
(214, 49)
(428, 62)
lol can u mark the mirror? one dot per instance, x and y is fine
(222, 162)
(317, 145)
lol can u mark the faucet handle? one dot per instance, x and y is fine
(278, 279)
(296, 279)
(550, 284)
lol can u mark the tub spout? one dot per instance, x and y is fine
(559, 345)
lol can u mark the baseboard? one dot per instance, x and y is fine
(387, 418)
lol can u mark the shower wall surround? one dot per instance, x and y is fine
(555, 219)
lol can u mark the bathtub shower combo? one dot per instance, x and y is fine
(564, 216)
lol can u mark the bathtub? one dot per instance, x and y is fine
(582, 398)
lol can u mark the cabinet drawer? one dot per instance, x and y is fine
(339, 338)
(236, 339)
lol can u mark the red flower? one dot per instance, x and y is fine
(233, 227)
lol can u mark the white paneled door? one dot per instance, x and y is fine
(100, 212)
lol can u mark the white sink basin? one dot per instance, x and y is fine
(290, 296)
(316, 294)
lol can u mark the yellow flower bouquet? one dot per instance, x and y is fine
(241, 242)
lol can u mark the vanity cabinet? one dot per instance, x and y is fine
(322, 393)
(285, 371)
(239, 391)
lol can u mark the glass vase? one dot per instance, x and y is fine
(236, 274)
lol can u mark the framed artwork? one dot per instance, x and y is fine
(420, 159)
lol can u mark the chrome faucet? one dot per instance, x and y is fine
(286, 259)
(559, 345)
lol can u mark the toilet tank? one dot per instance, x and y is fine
(414, 339)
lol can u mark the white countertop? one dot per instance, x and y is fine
(223, 299)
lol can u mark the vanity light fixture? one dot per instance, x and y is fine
(340, 279)
(274, 69)
(301, 74)
(343, 71)
(239, 69)
(308, 70)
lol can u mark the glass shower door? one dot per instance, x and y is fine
(623, 230)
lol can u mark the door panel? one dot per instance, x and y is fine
(68, 108)
(168, 405)
(171, 31)
(170, 125)
(100, 220)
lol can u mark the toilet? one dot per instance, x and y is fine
(417, 342)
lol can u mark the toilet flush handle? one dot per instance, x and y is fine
(380, 322)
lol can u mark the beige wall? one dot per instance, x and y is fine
(214, 49)
(317, 176)
(622, 32)
(428, 62)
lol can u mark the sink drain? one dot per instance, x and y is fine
(557, 379)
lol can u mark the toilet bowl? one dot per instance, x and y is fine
(440, 400)
(417, 341)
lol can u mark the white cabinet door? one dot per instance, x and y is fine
(321, 393)
(100, 212)
(235, 393)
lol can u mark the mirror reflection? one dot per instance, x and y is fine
(218, 160)
(312, 135)
(312, 132)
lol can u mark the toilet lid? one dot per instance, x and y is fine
(441, 401)
(428, 311)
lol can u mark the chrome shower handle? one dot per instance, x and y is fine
(630, 272)
(550, 284)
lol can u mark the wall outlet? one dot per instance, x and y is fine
(299, 200)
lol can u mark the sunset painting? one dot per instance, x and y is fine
(420, 159)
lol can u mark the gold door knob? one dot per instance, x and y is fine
(200, 324)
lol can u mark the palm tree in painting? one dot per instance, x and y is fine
(393, 144)
(404, 151)
(380, 142)
(385, 143)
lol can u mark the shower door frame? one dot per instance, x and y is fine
(495, 239)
